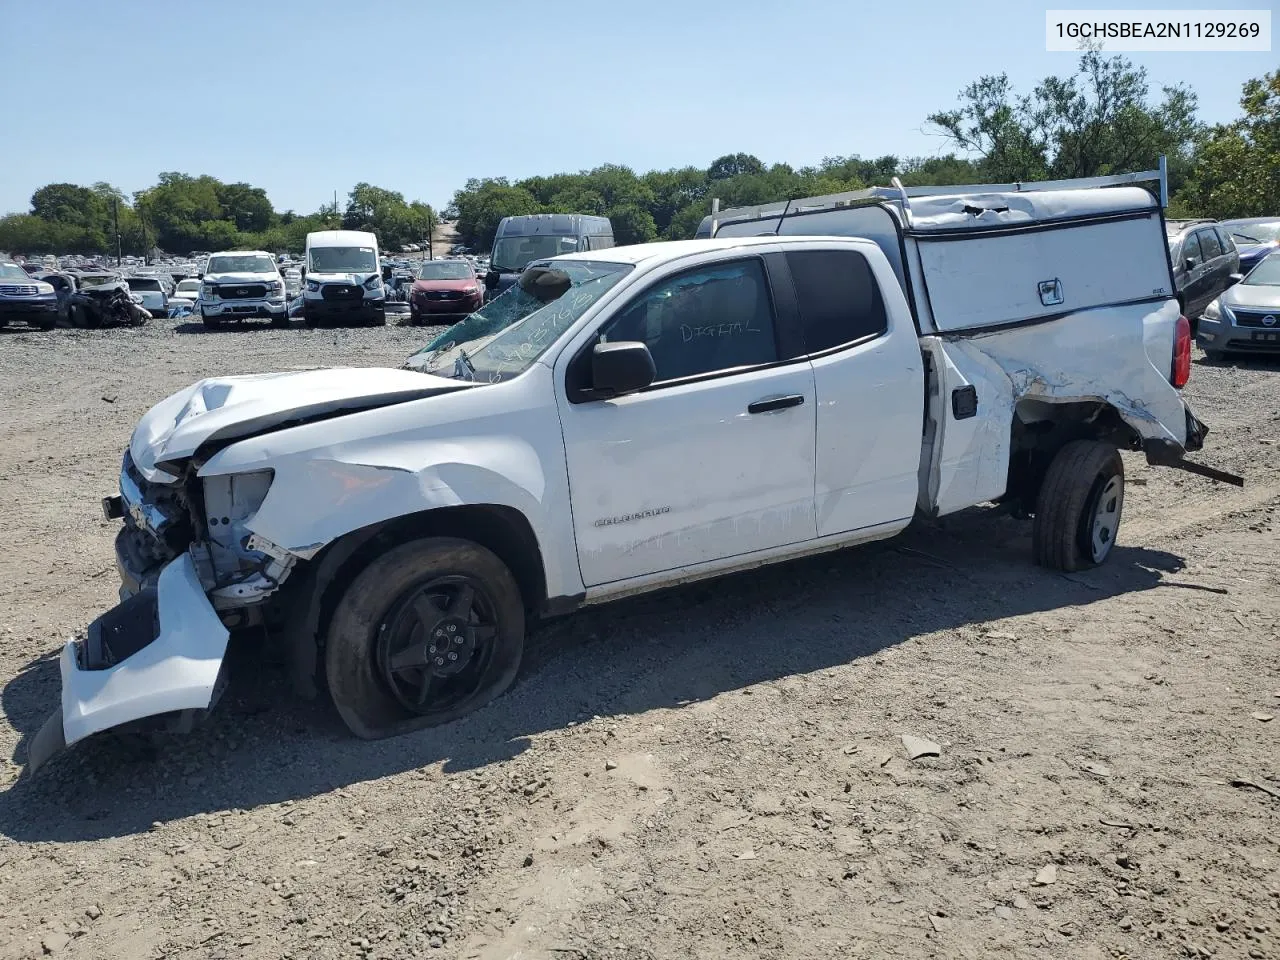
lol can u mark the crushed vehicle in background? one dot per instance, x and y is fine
(106, 304)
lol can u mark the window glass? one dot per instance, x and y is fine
(708, 319)
(1224, 238)
(838, 297)
(1191, 249)
(1209, 244)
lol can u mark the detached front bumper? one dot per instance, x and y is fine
(158, 652)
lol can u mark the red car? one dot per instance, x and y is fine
(445, 287)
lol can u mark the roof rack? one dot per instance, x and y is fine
(903, 194)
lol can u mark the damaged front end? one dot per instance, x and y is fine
(190, 571)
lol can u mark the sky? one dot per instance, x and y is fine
(307, 98)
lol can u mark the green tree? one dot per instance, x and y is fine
(481, 204)
(1237, 173)
(734, 165)
(1100, 120)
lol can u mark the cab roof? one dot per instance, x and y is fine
(674, 249)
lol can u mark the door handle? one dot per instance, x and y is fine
(775, 403)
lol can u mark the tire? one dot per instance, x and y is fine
(379, 621)
(379, 319)
(1215, 356)
(48, 324)
(212, 323)
(1079, 506)
(414, 319)
(279, 322)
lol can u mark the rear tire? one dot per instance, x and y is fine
(380, 654)
(1079, 506)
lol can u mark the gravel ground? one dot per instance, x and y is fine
(715, 771)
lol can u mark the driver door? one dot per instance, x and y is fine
(716, 459)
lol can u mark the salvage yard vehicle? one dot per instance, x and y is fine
(521, 240)
(1205, 262)
(26, 298)
(649, 415)
(100, 302)
(444, 287)
(1247, 316)
(343, 279)
(241, 285)
(152, 294)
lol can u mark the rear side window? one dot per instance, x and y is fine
(1209, 244)
(838, 298)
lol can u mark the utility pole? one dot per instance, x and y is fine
(115, 215)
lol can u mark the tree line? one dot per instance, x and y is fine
(182, 213)
(1102, 119)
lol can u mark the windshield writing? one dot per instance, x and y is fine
(516, 253)
(343, 260)
(505, 337)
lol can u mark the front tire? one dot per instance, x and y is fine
(428, 632)
(1079, 506)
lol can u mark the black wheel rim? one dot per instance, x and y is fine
(436, 643)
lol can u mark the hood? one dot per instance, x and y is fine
(230, 408)
(458, 285)
(1252, 296)
(240, 278)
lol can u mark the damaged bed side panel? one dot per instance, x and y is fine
(1112, 355)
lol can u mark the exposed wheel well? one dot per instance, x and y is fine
(1040, 429)
(307, 601)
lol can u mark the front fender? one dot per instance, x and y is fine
(498, 444)
(313, 501)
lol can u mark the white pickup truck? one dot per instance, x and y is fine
(631, 418)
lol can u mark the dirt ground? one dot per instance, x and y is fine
(711, 772)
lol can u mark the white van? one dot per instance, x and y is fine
(343, 279)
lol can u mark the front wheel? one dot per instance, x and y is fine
(428, 632)
(1079, 506)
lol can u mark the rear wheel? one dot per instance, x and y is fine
(428, 632)
(1079, 506)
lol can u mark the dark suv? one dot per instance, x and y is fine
(1205, 262)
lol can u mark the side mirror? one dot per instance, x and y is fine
(1236, 277)
(1189, 263)
(621, 368)
(491, 279)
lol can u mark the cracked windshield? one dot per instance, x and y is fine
(505, 337)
